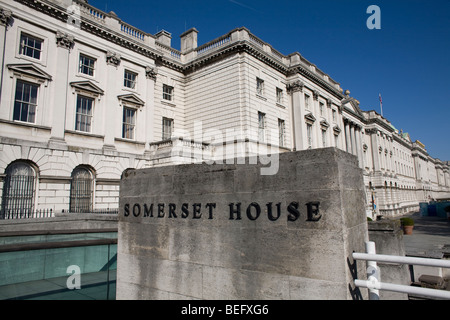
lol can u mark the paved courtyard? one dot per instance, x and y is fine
(430, 238)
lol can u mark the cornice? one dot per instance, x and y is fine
(299, 69)
(399, 139)
(231, 48)
(380, 123)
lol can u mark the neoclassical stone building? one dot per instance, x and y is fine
(86, 96)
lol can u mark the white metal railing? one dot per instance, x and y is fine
(373, 275)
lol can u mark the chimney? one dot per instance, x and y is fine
(164, 37)
(189, 40)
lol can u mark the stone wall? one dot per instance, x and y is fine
(227, 232)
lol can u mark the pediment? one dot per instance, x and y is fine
(87, 86)
(131, 98)
(310, 117)
(30, 70)
(352, 105)
(324, 123)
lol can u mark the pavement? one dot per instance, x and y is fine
(430, 237)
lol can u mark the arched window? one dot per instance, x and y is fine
(81, 190)
(18, 191)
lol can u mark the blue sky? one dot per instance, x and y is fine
(407, 60)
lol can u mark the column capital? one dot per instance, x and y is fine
(295, 86)
(371, 131)
(316, 95)
(64, 40)
(5, 17)
(151, 73)
(112, 58)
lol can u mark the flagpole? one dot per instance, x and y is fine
(381, 104)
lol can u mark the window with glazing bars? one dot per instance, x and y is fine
(129, 123)
(167, 92)
(25, 102)
(281, 132)
(130, 79)
(30, 46)
(86, 65)
(324, 138)
(307, 101)
(261, 126)
(84, 114)
(279, 96)
(309, 135)
(260, 86)
(167, 127)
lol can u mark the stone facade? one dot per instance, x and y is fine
(86, 96)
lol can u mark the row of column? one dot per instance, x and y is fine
(353, 139)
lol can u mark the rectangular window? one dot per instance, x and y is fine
(324, 138)
(261, 126)
(30, 46)
(84, 114)
(309, 135)
(260, 86)
(167, 92)
(279, 96)
(321, 107)
(129, 79)
(281, 132)
(86, 65)
(334, 115)
(307, 101)
(336, 140)
(128, 123)
(167, 128)
(25, 101)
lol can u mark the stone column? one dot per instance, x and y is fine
(150, 74)
(64, 43)
(352, 138)
(112, 60)
(359, 146)
(348, 145)
(317, 129)
(375, 157)
(5, 20)
(296, 90)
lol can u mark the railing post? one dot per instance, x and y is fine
(373, 273)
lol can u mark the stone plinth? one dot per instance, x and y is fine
(227, 232)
